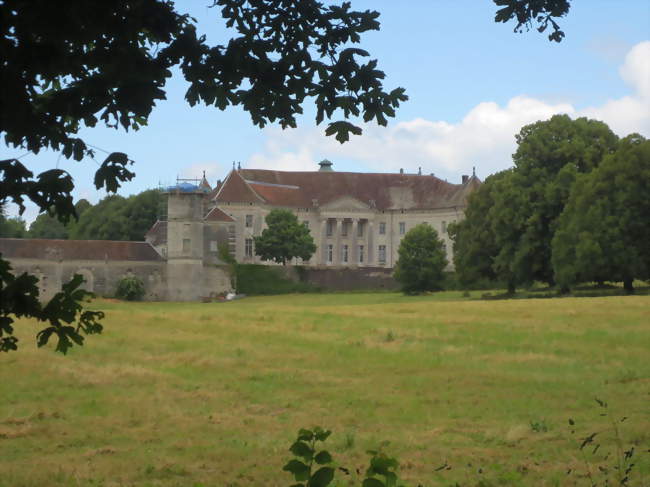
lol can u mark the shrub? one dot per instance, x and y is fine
(130, 288)
(421, 261)
(257, 279)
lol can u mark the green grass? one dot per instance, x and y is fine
(213, 394)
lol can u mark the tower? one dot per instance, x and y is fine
(185, 251)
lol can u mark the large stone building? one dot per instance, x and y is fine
(356, 219)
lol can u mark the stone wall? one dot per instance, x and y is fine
(162, 282)
(101, 276)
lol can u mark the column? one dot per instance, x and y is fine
(370, 242)
(336, 257)
(322, 256)
(354, 243)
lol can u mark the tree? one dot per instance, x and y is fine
(47, 226)
(604, 230)
(549, 156)
(11, 227)
(284, 238)
(422, 261)
(75, 64)
(473, 238)
(540, 11)
(119, 218)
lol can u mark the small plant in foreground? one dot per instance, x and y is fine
(130, 288)
(539, 426)
(602, 466)
(380, 473)
(305, 449)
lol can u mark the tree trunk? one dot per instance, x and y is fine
(627, 285)
(511, 287)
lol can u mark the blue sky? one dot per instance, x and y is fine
(472, 84)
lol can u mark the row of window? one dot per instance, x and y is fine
(360, 227)
(361, 256)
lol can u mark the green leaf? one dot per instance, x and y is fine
(323, 457)
(372, 483)
(321, 434)
(302, 449)
(299, 470)
(322, 477)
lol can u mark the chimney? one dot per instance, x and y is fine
(465, 178)
(401, 170)
(325, 166)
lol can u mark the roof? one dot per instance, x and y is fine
(305, 189)
(157, 234)
(217, 215)
(236, 189)
(49, 249)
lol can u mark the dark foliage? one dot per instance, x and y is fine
(526, 12)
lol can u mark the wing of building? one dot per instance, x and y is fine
(356, 219)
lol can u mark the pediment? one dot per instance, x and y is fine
(345, 203)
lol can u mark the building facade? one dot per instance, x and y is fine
(356, 219)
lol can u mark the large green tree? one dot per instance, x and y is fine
(284, 238)
(604, 231)
(421, 260)
(475, 246)
(549, 155)
(12, 227)
(119, 218)
(48, 226)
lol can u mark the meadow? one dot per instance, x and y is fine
(213, 394)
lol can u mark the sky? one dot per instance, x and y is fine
(472, 84)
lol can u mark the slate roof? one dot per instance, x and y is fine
(50, 249)
(305, 189)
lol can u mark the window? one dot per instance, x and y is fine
(248, 247)
(382, 254)
(330, 253)
(344, 229)
(402, 228)
(306, 223)
(213, 246)
(382, 228)
(360, 230)
(344, 254)
(186, 245)
(330, 229)
(360, 254)
(443, 227)
(249, 220)
(444, 247)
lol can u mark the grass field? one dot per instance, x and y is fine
(213, 394)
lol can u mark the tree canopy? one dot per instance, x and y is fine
(284, 239)
(573, 209)
(604, 231)
(421, 260)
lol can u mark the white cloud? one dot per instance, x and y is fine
(483, 138)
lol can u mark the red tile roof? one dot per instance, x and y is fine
(383, 191)
(217, 215)
(235, 189)
(57, 250)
